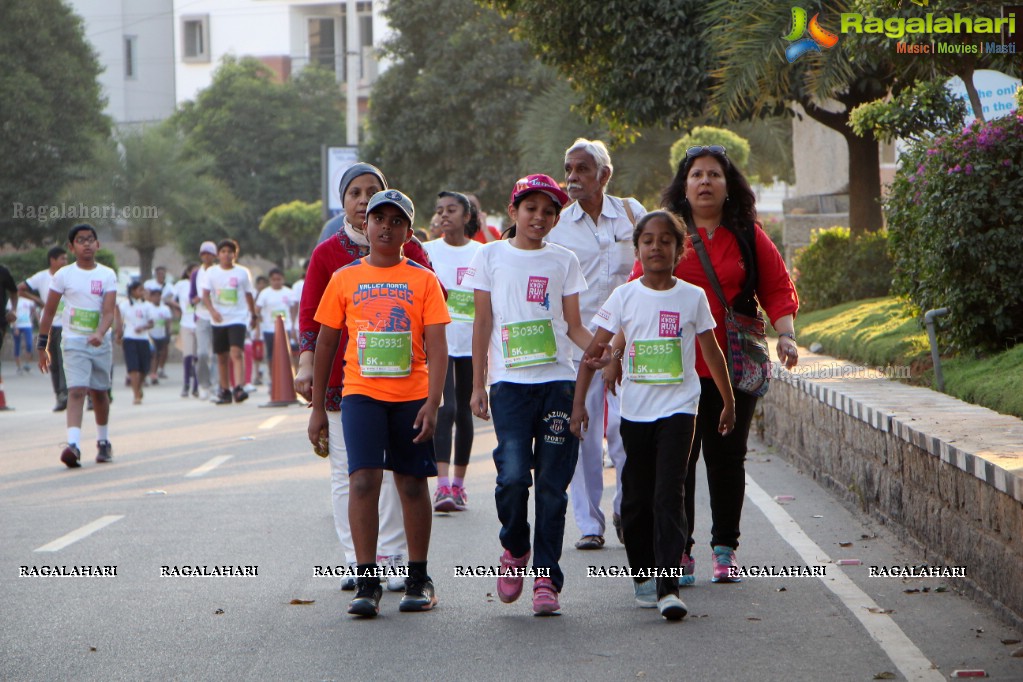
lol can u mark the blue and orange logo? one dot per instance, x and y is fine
(818, 36)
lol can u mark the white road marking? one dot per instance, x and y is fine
(208, 466)
(76, 535)
(910, 661)
(272, 422)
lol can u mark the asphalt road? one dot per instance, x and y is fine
(198, 484)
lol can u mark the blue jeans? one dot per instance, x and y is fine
(531, 423)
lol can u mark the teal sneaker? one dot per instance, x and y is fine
(688, 566)
(726, 568)
(646, 593)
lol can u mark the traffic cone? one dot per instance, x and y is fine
(282, 377)
(3, 400)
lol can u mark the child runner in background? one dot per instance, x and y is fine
(661, 317)
(272, 302)
(451, 256)
(137, 316)
(37, 288)
(159, 334)
(186, 330)
(394, 313)
(227, 294)
(527, 314)
(22, 331)
(258, 349)
(89, 291)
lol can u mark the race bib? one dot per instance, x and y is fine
(655, 361)
(529, 343)
(83, 321)
(385, 354)
(227, 296)
(461, 305)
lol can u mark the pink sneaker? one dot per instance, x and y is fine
(688, 577)
(545, 598)
(726, 568)
(443, 501)
(460, 497)
(510, 587)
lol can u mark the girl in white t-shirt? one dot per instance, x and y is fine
(662, 318)
(186, 330)
(527, 316)
(137, 318)
(22, 330)
(451, 256)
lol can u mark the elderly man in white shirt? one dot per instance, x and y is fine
(598, 228)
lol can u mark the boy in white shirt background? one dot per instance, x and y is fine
(227, 294)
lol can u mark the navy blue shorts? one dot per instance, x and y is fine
(136, 354)
(379, 435)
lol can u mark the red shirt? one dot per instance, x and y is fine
(775, 290)
(329, 256)
(482, 238)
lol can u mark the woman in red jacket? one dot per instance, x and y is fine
(710, 193)
(349, 243)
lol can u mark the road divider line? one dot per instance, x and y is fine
(76, 535)
(208, 466)
(906, 656)
(272, 422)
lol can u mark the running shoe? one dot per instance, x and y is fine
(545, 598)
(460, 497)
(726, 568)
(204, 394)
(443, 500)
(240, 396)
(349, 581)
(509, 587)
(104, 453)
(671, 607)
(367, 599)
(184, 392)
(223, 398)
(419, 595)
(71, 456)
(394, 564)
(688, 577)
(616, 521)
(646, 593)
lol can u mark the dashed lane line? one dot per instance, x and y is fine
(208, 466)
(76, 535)
(272, 422)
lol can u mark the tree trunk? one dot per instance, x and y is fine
(145, 262)
(966, 74)
(864, 184)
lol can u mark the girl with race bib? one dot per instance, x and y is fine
(527, 315)
(451, 256)
(662, 318)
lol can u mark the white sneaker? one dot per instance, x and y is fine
(204, 394)
(671, 607)
(395, 583)
(249, 388)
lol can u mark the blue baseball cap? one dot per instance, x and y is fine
(395, 198)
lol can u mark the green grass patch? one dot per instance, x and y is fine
(880, 332)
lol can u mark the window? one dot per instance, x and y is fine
(130, 57)
(195, 38)
(322, 51)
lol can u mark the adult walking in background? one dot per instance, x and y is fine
(713, 197)
(597, 228)
(203, 321)
(37, 288)
(343, 247)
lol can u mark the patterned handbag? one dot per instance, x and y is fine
(749, 361)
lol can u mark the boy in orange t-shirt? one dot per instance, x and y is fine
(394, 312)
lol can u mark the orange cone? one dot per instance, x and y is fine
(3, 400)
(282, 377)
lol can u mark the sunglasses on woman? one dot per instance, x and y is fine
(713, 149)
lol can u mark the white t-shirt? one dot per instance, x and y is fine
(135, 315)
(182, 288)
(227, 292)
(272, 304)
(83, 292)
(166, 289)
(24, 313)
(161, 318)
(200, 282)
(451, 263)
(41, 283)
(657, 325)
(296, 292)
(526, 291)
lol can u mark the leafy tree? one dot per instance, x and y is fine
(50, 107)
(157, 189)
(445, 114)
(296, 226)
(265, 138)
(926, 108)
(738, 148)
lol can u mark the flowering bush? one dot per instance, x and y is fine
(955, 222)
(837, 267)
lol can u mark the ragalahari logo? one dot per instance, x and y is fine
(818, 38)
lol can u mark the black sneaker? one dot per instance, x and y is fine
(419, 595)
(224, 399)
(195, 392)
(367, 599)
(105, 453)
(240, 396)
(71, 456)
(61, 405)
